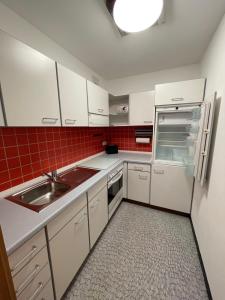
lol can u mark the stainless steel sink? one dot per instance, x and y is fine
(40, 195)
(45, 193)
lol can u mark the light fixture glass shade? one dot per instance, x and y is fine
(136, 15)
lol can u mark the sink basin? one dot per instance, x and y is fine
(44, 193)
(40, 195)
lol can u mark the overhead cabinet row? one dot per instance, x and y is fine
(30, 94)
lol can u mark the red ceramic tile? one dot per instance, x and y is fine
(27, 152)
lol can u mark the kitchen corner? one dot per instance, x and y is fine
(19, 223)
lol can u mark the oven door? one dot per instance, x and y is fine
(114, 186)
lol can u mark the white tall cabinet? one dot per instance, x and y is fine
(73, 97)
(142, 108)
(29, 85)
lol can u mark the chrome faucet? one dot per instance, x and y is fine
(52, 177)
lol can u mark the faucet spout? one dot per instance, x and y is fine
(52, 177)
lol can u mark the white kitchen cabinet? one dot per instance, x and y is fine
(141, 110)
(138, 186)
(98, 120)
(98, 99)
(98, 214)
(171, 188)
(68, 249)
(183, 92)
(29, 85)
(73, 97)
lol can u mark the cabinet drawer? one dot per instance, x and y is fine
(189, 91)
(60, 221)
(139, 186)
(96, 188)
(24, 254)
(98, 215)
(30, 271)
(46, 293)
(37, 285)
(139, 167)
(68, 249)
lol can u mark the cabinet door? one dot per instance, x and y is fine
(73, 98)
(98, 120)
(171, 188)
(98, 99)
(190, 91)
(29, 85)
(98, 215)
(142, 108)
(68, 250)
(138, 186)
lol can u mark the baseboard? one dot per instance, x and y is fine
(201, 262)
(157, 208)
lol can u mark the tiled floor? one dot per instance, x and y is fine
(143, 254)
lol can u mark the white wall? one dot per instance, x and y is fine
(18, 27)
(146, 82)
(208, 212)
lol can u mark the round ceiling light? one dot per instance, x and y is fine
(136, 15)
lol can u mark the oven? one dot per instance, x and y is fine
(115, 189)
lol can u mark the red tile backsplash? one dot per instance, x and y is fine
(124, 137)
(25, 153)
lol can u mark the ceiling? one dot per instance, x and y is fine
(85, 29)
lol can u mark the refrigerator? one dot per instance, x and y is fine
(181, 152)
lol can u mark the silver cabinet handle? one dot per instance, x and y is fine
(26, 282)
(100, 110)
(33, 250)
(49, 120)
(143, 177)
(70, 121)
(177, 99)
(147, 122)
(37, 291)
(159, 172)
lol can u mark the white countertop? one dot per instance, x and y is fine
(19, 223)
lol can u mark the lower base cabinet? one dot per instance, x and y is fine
(98, 214)
(69, 248)
(138, 183)
(171, 188)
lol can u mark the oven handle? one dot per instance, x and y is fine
(115, 179)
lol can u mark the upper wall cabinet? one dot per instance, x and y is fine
(73, 98)
(98, 99)
(183, 92)
(29, 85)
(142, 108)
